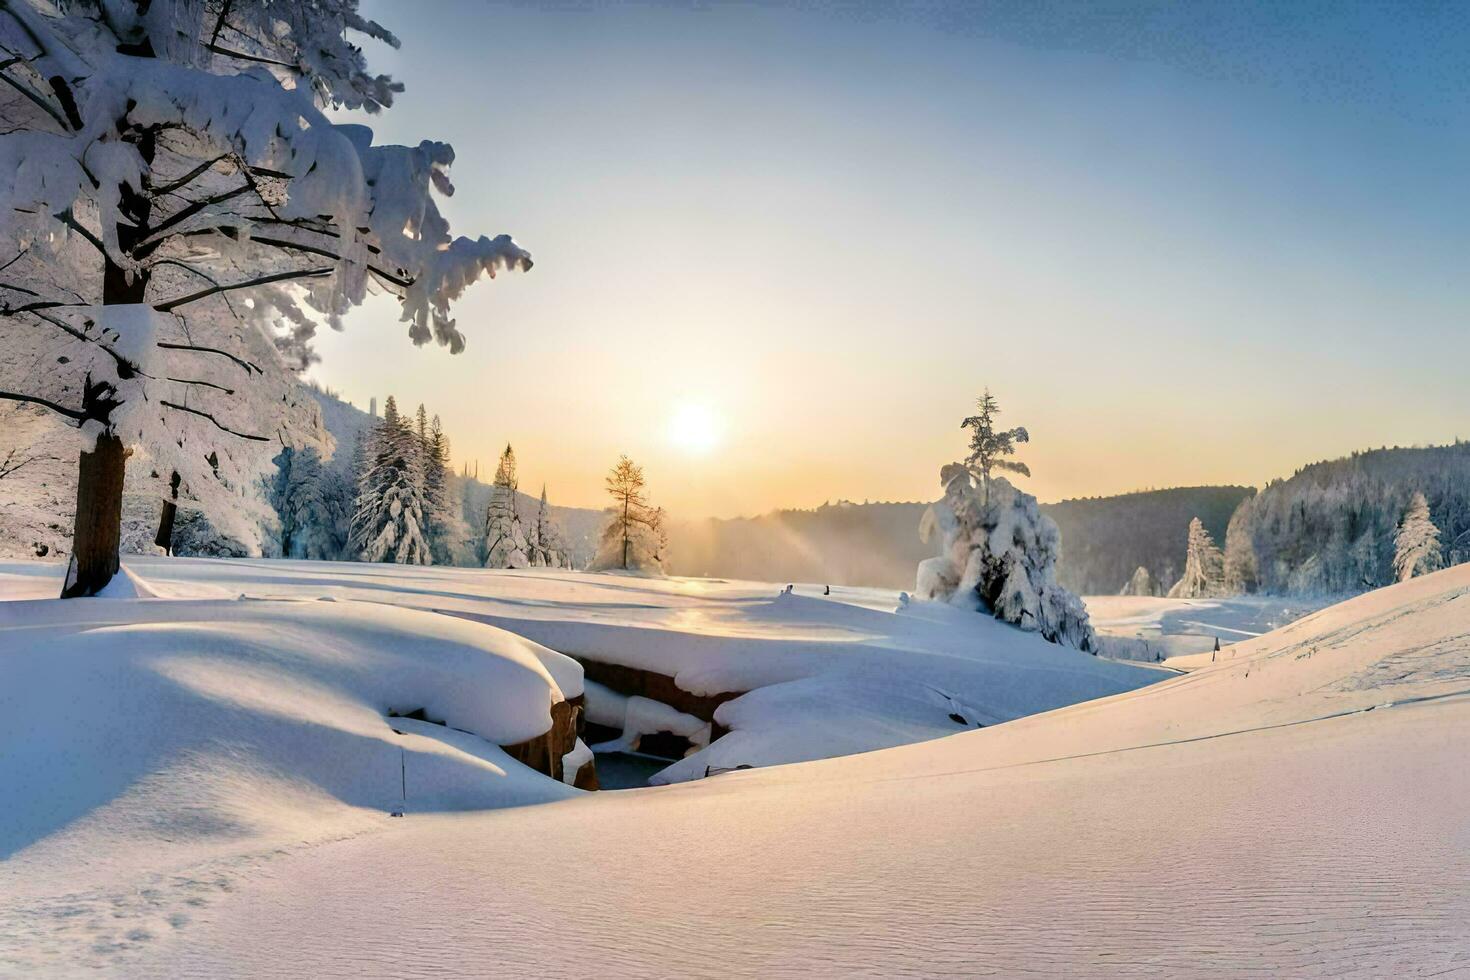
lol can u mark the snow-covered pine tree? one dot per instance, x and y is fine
(1204, 566)
(446, 529)
(1416, 548)
(629, 541)
(505, 538)
(172, 192)
(388, 524)
(339, 504)
(540, 543)
(308, 497)
(295, 493)
(989, 447)
(999, 556)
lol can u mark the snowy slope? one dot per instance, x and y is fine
(1132, 837)
(1175, 627)
(1295, 809)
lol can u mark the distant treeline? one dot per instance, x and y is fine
(1106, 539)
(1331, 527)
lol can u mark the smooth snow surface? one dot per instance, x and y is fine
(1298, 808)
(1178, 627)
(829, 675)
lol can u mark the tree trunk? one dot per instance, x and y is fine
(625, 534)
(98, 528)
(165, 536)
(99, 518)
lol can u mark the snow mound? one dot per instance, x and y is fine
(159, 731)
(126, 585)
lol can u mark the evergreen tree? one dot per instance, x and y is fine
(388, 524)
(1204, 566)
(298, 496)
(444, 527)
(1416, 545)
(505, 539)
(989, 447)
(545, 539)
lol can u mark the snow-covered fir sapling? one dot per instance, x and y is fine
(178, 214)
(997, 552)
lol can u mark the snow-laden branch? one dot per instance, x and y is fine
(217, 423)
(173, 304)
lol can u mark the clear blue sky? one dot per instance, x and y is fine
(1183, 244)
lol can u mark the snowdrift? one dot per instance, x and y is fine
(826, 675)
(198, 726)
(1296, 810)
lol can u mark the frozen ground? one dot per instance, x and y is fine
(1299, 808)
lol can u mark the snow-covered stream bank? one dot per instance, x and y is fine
(1296, 809)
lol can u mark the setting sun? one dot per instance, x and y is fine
(694, 429)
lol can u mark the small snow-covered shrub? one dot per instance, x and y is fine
(1000, 557)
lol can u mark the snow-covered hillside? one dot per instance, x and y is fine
(1296, 808)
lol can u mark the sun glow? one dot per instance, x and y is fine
(694, 429)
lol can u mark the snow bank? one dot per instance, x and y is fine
(866, 677)
(151, 731)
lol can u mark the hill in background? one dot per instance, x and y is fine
(1104, 539)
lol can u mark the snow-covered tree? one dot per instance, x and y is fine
(999, 556)
(545, 546)
(1416, 545)
(630, 538)
(1204, 566)
(309, 498)
(388, 524)
(445, 528)
(1241, 572)
(505, 538)
(1142, 583)
(178, 212)
(989, 446)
